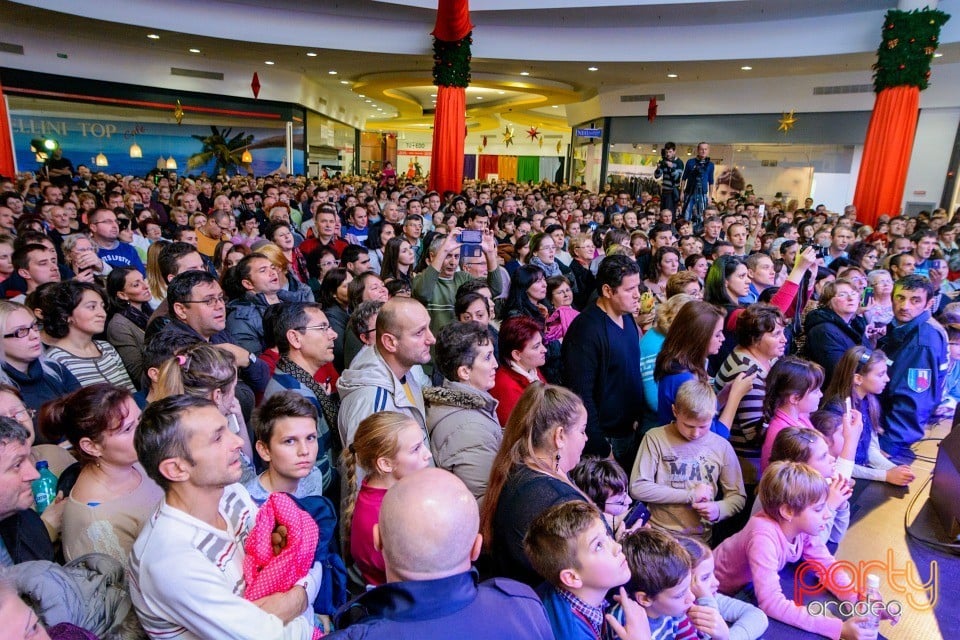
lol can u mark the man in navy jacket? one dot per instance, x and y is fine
(918, 348)
(601, 361)
(428, 532)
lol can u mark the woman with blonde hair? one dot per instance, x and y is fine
(387, 447)
(206, 371)
(542, 442)
(155, 282)
(22, 362)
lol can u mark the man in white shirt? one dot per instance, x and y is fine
(186, 567)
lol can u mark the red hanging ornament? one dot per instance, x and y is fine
(652, 109)
(255, 85)
(484, 142)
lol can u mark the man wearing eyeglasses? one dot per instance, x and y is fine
(304, 338)
(210, 235)
(105, 233)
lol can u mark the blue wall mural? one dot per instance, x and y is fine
(83, 138)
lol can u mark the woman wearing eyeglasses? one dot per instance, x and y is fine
(73, 313)
(834, 326)
(21, 351)
(12, 406)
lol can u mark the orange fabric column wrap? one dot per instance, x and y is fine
(7, 167)
(453, 20)
(449, 130)
(886, 153)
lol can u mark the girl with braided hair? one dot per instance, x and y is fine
(387, 447)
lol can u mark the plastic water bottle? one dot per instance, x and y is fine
(873, 595)
(45, 487)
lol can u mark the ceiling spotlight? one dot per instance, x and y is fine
(344, 82)
(332, 72)
(153, 36)
(524, 73)
(194, 50)
(672, 75)
(269, 62)
(592, 69)
(746, 68)
(311, 54)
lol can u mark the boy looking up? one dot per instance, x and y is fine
(571, 547)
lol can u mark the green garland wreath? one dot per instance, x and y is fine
(451, 62)
(910, 39)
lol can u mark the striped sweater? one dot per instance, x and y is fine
(108, 367)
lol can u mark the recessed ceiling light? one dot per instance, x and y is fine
(379, 109)
(433, 95)
(269, 62)
(332, 72)
(746, 68)
(524, 73)
(368, 100)
(592, 69)
(479, 97)
(501, 92)
(153, 36)
(194, 50)
(344, 82)
(671, 75)
(311, 54)
(360, 95)
(555, 106)
(938, 55)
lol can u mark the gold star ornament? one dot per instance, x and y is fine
(507, 136)
(786, 122)
(178, 112)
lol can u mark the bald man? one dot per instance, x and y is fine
(428, 534)
(379, 379)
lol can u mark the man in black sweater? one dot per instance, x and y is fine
(601, 361)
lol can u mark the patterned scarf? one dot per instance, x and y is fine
(139, 317)
(330, 403)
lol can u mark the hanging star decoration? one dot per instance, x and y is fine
(479, 148)
(787, 122)
(507, 136)
(178, 112)
(652, 109)
(484, 142)
(533, 133)
(540, 142)
(559, 145)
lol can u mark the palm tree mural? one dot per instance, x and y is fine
(226, 151)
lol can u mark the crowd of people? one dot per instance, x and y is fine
(281, 407)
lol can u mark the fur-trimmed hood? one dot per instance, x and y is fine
(456, 394)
